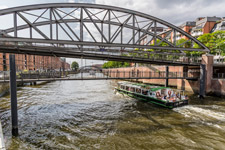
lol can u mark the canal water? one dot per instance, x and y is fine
(87, 115)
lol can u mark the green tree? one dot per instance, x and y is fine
(115, 64)
(74, 65)
(214, 41)
(187, 44)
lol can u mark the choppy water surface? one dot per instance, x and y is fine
(87, 115)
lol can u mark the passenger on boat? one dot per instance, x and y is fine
(173, 95)
(178, 96)
(169, 93)
(158, 95)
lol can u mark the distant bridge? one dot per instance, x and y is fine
(103, 33)
(90, 67)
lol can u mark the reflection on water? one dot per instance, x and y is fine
(88, 115)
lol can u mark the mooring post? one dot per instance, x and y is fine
(60, 72)
(167, 76)
(202, 81)
(14, 114)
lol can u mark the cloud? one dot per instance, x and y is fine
(71, 1)
(173, 11)
(3, 7)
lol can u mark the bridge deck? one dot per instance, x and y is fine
(96, 78)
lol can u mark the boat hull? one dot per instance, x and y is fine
(162, 103)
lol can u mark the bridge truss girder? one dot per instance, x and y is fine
(75, 27)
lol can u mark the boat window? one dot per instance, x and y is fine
(132, 89)
(150, 93)
(144, 92)
(127, 88)
(138, 90)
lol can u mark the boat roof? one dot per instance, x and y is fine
(158, 88)
(140, 85)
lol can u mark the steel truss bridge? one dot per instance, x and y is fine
(93, 31)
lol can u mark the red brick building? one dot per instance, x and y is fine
(204, 25)
(33, 62)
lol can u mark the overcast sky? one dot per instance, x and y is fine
(173, 11)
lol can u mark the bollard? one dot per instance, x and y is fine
(13, 94)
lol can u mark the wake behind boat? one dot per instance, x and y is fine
(162, 96)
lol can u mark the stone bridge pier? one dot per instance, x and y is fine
(204, 84)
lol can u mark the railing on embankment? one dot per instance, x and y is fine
(151, 75)
(4, 75)
(219, 75)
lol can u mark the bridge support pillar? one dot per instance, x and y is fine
(207, 60)
(202, 81)
(181, 82)
(167, 76)
(13, 94)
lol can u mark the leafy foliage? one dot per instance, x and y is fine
(214, 41)
(115, 64)
(187, 44)
(74, 65)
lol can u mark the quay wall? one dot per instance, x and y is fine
(216, 86)
(191, 86)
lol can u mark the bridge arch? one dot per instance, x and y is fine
(65, 29)
(91, 67)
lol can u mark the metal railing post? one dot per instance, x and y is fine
(167, 76)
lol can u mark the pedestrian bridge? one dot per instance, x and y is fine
(105, 75)
(97, 32)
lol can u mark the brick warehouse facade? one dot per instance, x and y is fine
(33, 62)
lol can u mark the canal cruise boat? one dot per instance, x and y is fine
(162, 96)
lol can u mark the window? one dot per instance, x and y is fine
(144, 92)
(132, 89)
(127, 88)
(138, 90)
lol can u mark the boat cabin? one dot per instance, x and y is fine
(157, 92)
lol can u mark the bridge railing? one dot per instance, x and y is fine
(131, 54)
(152, 56)
(149, 74)
(37, 75)
(219, 75)
(4, 75)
